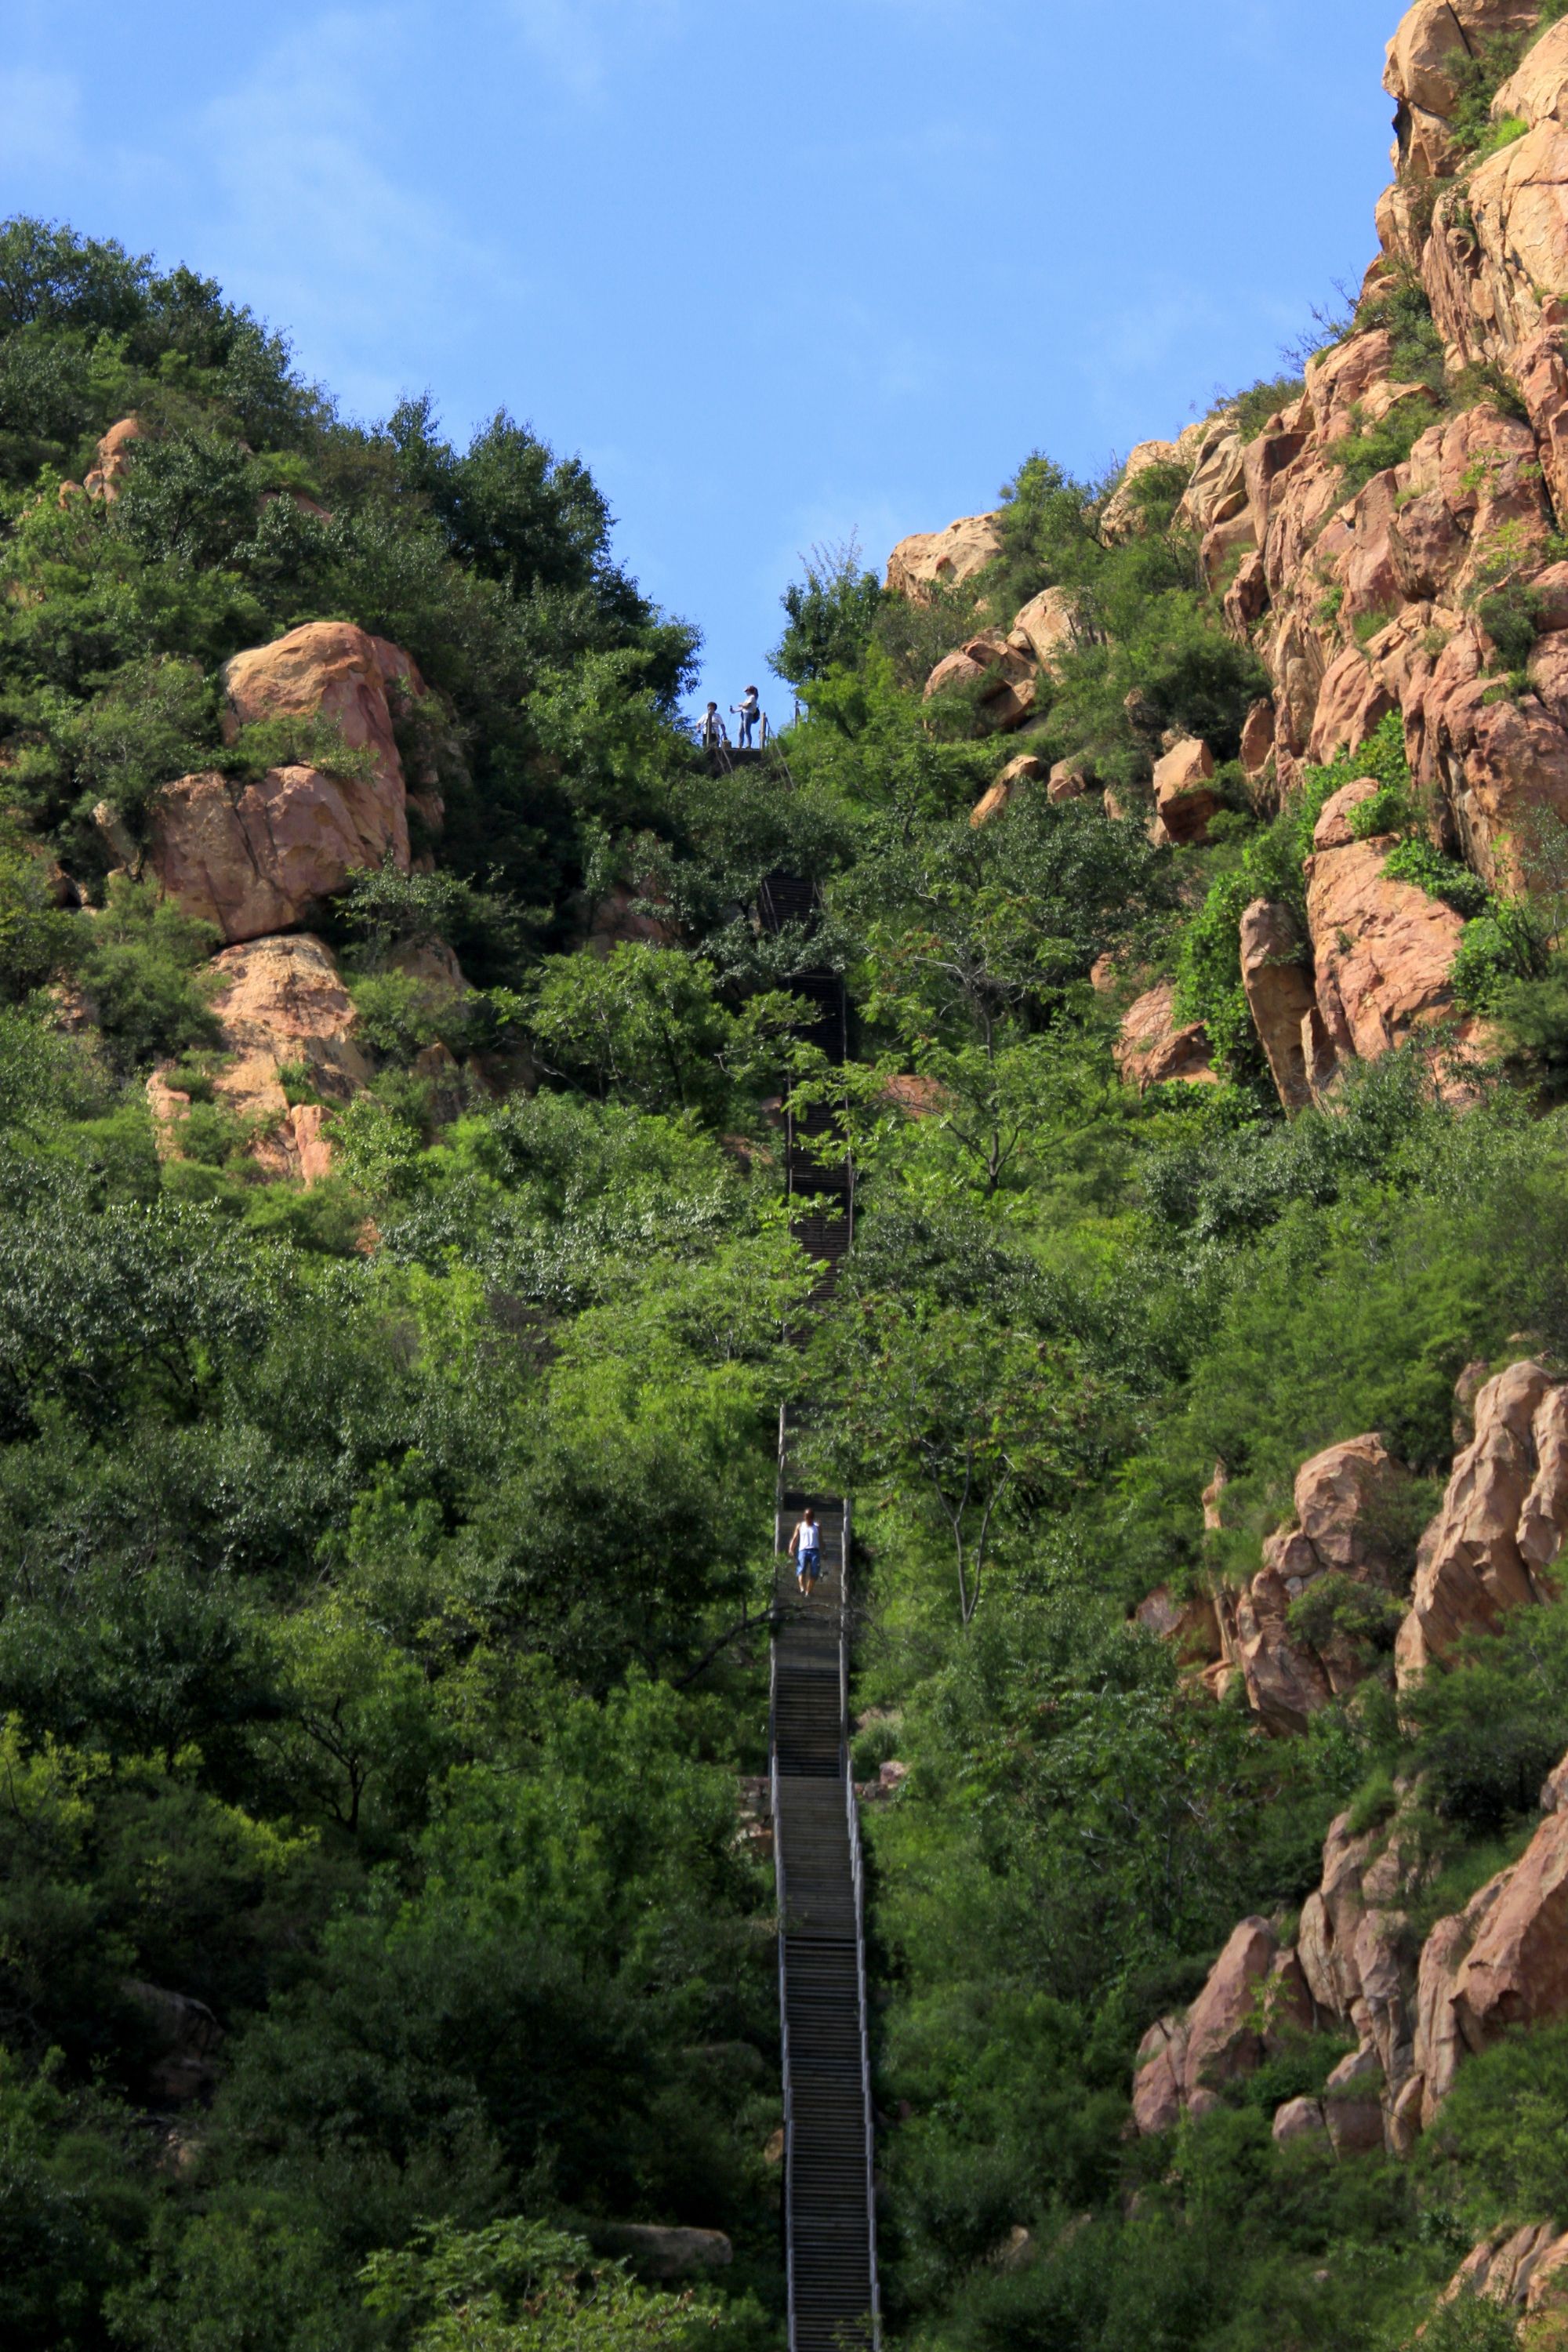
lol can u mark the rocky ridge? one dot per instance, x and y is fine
(1403, 595)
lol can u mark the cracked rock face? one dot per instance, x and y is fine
(257, 857)
(943, 558)
(1494, 1543)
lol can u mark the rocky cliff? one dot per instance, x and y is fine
(1388, 540)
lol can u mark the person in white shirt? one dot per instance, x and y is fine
(711, 731)
(806, 1550)
(747, 711)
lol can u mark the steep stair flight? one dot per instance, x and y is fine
(830, 2227)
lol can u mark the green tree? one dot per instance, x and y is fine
(521, 2286)
(832, 614)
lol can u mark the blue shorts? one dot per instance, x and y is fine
(809, 1563)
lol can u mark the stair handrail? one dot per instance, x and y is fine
(857, 1874)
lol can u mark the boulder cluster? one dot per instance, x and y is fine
(1415, 2006)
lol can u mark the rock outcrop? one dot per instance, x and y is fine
(1498, 1963)
(659, 2254)
(1001, 669)
(943, 558)
(1184, 798)
(260, 857)
(281, 1008)
(1366, 597)
(1494, 1543)
(1000, 677)
(1523, 2270)
(257, 857)
(1382, 951)
(1343, 1545)
(1280, 998)
(331, 670)
(1154, 1049)
(1254, 2001)
(1121, 517)
(1417, 2007)
(107, 479)
(184, 2038)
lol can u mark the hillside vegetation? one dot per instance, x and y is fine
(394, 1270)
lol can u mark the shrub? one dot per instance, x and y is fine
(1381, 756)
(1510, 616)
(1496, 951)
(1489, 1731)
(1404, 309)
(1534, 1016)
(1441, 878)
(1503, 2129)
(1374, 449)
(1388, 811)
(1252, 409)
(141, 967)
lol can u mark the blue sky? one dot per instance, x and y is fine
(779, 269)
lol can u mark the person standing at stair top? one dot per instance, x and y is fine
(747, 711)
(712, 730)
(806, 1550)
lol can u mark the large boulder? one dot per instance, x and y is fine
(330, 669)
(1515, 1971)
(1274, 973)
(658, 2254)
(1026, 768)
(1159, 2077)
(1353, 2104)
(1001, 680)
(1154, 1049)
(1494, 1543)
(1217, 491)
(1184, 800)
(281, 1002)
(182, 2040)
(1046, 628)
(261, 857)
(280, 1006)
(943, 558)
(1382, 951)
